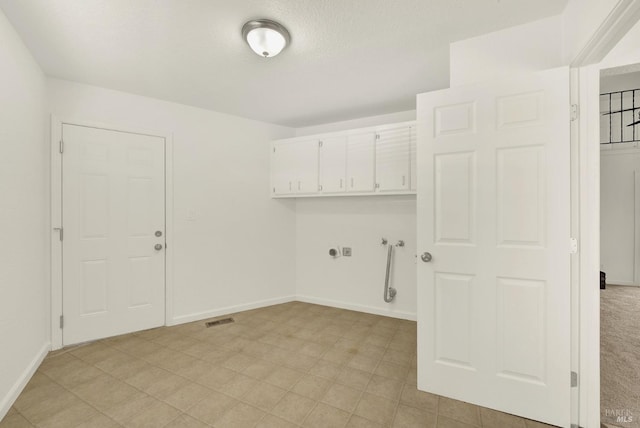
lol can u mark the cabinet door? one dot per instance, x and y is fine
(306, 166)
(283, 164)
(333, 164)
(414, 164)
(392, 159)
(361, 162)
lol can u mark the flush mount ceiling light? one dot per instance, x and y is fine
(267, 38)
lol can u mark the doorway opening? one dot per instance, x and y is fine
(620, 246)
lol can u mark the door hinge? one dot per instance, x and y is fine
(377, 136)
(274, 150)
(60, 232)
(320, 143)
(61, 321)
(320, 187)
(574, 112)
(573, 246)
(574, 379)
(377, 185)
(61, 146)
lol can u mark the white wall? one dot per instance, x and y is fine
(626, 52)
(620, 82)
(24, 326)
(356, 282)
(238, 250)
(402, 116)
(358, 222)
(529, 47)
(580, 21)
(619, 190)
(619, 197)
(540, 45)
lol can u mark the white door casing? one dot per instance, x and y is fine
(113, 199)
(494, 212)
(413, 166)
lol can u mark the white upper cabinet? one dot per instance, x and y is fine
(307, 171)
(333, 164)
(393, 147)
(361, 152)
(294, 167)
(367, 161)
(283, 163)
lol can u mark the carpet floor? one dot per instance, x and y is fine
(620, 356)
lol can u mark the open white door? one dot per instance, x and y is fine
(114, 225)
(494, 213)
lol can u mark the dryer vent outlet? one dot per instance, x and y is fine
(218, 322)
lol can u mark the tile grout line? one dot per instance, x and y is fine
(343, 365)
(370, 378)
(240, 399)
(290, 389)
(111, 375)
(128, 351)
(77, 396)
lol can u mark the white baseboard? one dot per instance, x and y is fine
(360, 308)
(22, 381)
(615, 282)
(181, 319)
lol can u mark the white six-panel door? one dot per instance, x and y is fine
(493, 211)
(113, 209)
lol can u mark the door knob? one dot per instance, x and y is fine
(426, 257)
(158, 247)
(158, 233)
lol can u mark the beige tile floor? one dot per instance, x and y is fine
(288, 365)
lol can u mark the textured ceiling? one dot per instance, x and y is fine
(347, 59)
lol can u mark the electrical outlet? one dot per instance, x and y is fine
(346, 251)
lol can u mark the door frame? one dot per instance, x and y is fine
(585, 190)
(56, 215)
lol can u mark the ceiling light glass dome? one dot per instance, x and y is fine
(265, 37)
